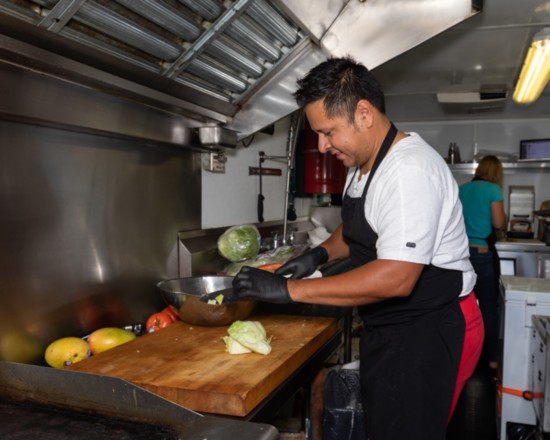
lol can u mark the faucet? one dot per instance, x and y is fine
(275, 239)
(292, 236)
(295, 121)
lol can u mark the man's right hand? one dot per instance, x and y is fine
(305, 264)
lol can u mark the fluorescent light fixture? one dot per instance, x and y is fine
(535, 72)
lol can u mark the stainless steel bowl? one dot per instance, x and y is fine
(184, 294)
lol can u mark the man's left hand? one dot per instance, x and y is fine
(260, 285)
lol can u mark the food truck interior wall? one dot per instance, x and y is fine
(90, 220)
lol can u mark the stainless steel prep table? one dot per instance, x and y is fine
(529, 257)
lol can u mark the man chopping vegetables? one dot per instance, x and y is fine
(403, 231)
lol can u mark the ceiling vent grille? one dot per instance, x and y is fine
(472, 98)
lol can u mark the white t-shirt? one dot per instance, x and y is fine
(412, 205)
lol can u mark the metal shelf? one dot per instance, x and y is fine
(538, 166)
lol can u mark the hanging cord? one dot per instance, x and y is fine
(293, 129)
(250, 140)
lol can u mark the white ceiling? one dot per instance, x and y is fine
(486, 49)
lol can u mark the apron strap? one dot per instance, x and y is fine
(386, 144)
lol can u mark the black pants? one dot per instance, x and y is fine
(486, 290)
(408, 375)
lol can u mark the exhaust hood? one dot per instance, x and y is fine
(226, 66)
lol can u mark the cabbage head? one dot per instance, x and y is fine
(249, 335)
(239, 243)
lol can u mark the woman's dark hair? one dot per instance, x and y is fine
(341, 82)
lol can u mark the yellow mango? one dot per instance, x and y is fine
(108, 337)
(66, 351)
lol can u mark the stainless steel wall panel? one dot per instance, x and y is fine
(48, 101)
(88, 226)
(361, 28)
(313, 16)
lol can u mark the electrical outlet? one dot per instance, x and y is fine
(215, 162)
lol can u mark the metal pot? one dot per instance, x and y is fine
(184, 294)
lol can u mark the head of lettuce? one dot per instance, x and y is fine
(239, 243)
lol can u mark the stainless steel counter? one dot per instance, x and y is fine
(522, 245)
(109, 399)
(525, 257)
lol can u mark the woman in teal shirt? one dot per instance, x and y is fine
(483, 208)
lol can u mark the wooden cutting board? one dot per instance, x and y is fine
(189, 366)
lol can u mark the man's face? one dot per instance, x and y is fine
(338, 136)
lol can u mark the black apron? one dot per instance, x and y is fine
(410, 346)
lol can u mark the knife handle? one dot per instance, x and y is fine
(261, 207)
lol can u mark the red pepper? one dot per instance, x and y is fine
(157, 321)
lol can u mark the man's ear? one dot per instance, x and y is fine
(363, 112)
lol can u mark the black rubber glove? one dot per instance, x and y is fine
(261, 285)
(305, 264)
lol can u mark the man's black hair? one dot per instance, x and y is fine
(341, 82)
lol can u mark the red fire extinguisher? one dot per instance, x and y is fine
(323, 173)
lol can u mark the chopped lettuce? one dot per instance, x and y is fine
(233, 347)
(216, 301)
(249, 334)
